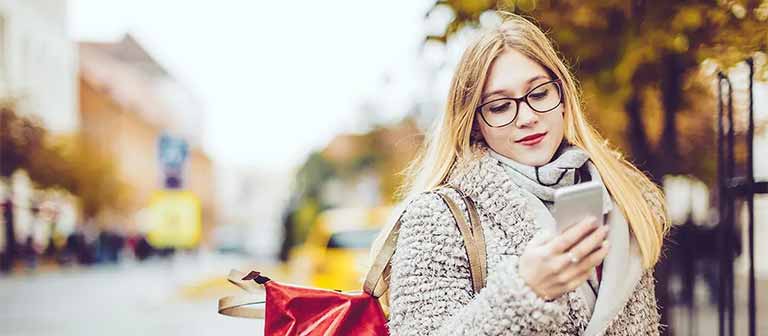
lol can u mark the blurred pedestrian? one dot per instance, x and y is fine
(6, 235)
(143, 249)
(30, 254)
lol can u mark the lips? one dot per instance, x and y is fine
(534, 136)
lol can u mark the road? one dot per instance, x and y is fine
(157, 297)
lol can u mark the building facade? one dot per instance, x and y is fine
(38, 62)
(127, 101)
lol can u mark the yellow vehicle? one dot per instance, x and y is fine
(336, 251)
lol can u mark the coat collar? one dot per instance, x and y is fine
(480, 176)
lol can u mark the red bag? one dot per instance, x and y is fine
(290, 310)
(297, 310)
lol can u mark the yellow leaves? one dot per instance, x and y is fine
(761, 12)
(471, 8)
(647, 48)
(717, 16)
(734, 42)
(688, 18)
(526, 5)
(584, 16)
(521, 5)
(738, 11)
(638, 51)
(679, 43)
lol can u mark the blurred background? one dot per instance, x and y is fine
(148, 147)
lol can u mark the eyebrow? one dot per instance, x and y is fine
(528, 82)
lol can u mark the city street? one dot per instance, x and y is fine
(147, 148)
(176, 296)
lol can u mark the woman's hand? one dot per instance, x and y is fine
(554, 265)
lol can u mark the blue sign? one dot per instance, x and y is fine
(172, 154)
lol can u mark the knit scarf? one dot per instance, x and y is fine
(570, 165)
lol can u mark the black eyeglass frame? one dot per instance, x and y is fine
(524, 98)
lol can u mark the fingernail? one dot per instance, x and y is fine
(606, 243)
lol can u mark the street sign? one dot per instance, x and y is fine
(172, 154)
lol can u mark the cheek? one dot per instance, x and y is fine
(500, 140)
(495, 136)
(554, 121)
(557, 122)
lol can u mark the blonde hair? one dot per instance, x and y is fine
(451, 139)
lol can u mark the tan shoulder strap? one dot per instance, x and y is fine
(473, 239)
(373, 284)
(470, 244)
(477, 231)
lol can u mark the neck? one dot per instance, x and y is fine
(543, 180)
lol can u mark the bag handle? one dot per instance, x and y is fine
(238, 305)
(474, 244)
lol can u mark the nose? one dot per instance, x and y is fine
(526, 116)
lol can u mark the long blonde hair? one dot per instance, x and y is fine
(451, 138)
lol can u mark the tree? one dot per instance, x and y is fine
(65, 162)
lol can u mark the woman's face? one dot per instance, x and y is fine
(532, 137)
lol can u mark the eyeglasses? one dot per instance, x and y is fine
(501, 112)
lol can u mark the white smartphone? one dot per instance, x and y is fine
(576, 202)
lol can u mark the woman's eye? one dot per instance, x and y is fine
(539, 94)
(499, 108)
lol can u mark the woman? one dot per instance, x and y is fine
(512, 133)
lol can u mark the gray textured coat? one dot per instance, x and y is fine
(430, 287)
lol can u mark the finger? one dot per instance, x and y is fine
(574, 281)
(573, 270)
(579, 280)
(564, 241)
(590, 243)
(594, 258)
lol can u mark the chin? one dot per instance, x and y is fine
(538, 161)
(535, 158)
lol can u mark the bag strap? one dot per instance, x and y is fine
(477, 230)
(474, 244)
(476, 271)
(373, 284)
(238, 305)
